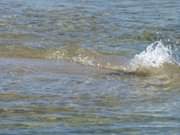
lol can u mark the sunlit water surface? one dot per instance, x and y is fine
(89, 67)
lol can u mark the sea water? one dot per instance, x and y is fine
(89, 67)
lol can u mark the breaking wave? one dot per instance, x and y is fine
(156, 58)
(155, 55)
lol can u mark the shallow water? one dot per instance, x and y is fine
(89, 67)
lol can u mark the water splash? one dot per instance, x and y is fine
(154, 56)
(154, 59)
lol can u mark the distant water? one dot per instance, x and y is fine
(89, 67)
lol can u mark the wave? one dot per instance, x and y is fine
(155, 59)
(155, 55)
(16, 51)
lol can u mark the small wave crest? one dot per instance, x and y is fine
(156, 58)
(75, 54)
(156, 55)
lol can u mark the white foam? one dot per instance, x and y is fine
(155, 55)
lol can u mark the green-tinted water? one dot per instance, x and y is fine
(71, 67)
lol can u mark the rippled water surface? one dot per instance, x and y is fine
(89, 67)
